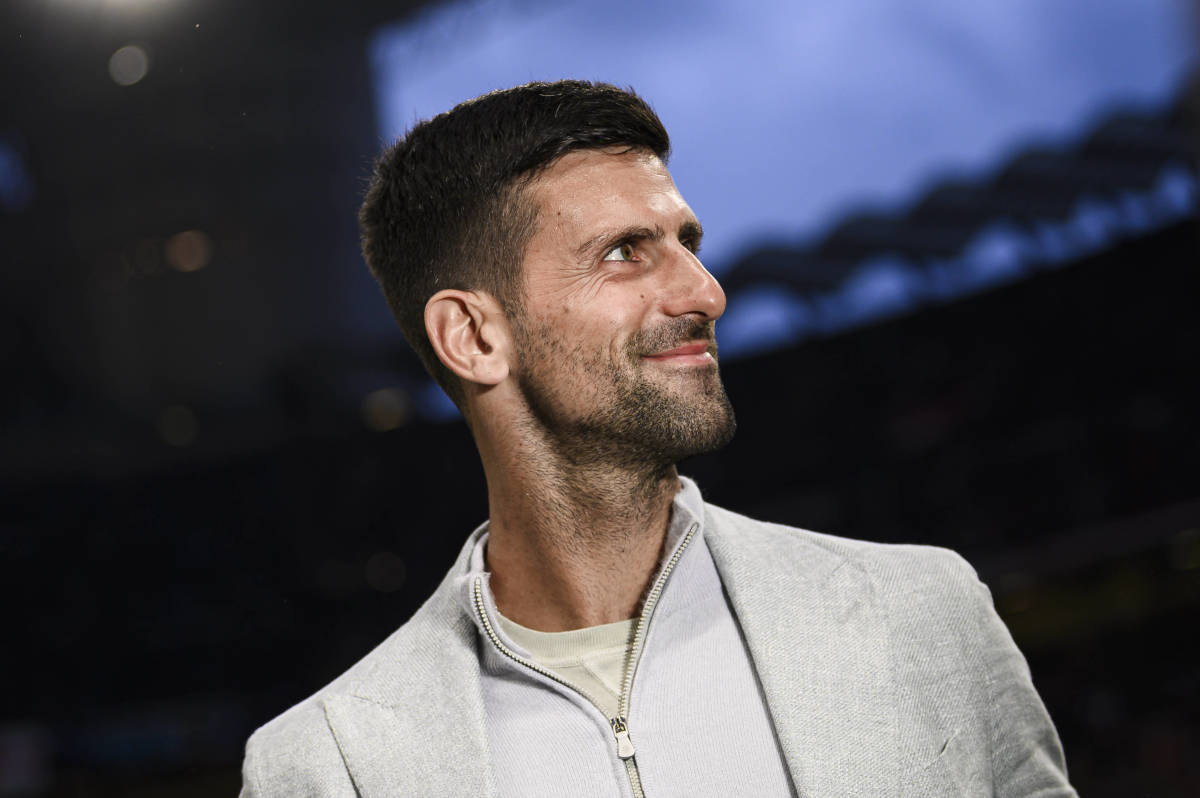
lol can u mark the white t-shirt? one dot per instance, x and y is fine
(593, 659)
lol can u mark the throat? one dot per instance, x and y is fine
(572, 558)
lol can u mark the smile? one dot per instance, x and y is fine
(696, 354)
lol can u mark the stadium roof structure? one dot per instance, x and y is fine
(1133, 173)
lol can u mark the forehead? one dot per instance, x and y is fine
(587, 190)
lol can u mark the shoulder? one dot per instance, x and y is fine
(924, 594)
(911, 568)
(301, 752)
(296, 755)
(963, 689)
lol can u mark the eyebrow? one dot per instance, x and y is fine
(607, 239)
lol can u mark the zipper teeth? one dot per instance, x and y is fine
(639, 631)
(635, 779)
(508, 652)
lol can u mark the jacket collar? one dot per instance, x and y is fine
(819, 641)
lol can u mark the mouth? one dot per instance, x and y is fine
(694, 354)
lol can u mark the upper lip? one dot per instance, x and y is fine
(697, 348)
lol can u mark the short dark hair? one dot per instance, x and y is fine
(445, 207)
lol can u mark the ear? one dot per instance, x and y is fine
(469, 333)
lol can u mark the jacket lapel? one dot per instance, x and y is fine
(410, 719)
(819, 641)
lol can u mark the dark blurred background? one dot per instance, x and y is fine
(960, 247)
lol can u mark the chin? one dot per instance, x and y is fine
(686, 432)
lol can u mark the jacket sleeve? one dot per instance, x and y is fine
(1027, 757)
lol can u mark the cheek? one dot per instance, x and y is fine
(592, 331)
(557, 343)
(587, 331)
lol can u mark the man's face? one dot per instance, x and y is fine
(615, 342)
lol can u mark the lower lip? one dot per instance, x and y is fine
(698, 359)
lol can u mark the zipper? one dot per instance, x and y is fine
(619, 724)
(639, 631)
(508, 652)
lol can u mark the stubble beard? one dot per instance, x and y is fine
(635, 421)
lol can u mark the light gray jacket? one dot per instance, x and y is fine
(885, 668)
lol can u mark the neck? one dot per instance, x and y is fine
(573, 544)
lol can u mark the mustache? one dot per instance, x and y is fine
(674, 333)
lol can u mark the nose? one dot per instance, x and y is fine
(690, 288)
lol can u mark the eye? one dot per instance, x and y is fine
(625, 252)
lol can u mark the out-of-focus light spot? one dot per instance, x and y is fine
(1136, 214)
(1175, 191)
(386, 409)
(998, 254)
(879, 288)
(129, 64)
(177, 425)
(16, 186)
(1094, 223)
(189, 251)
(26, 753)
(385, 572)
(1055, 244)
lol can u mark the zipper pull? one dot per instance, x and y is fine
(624, 744)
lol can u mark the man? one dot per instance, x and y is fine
(607, 632)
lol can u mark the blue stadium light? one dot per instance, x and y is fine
(16, 184)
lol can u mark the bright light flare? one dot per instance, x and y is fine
(129, 65)
(386, 409)
(189, 251)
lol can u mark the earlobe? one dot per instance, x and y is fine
(466, 331)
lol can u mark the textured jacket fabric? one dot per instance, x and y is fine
(885, 669)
